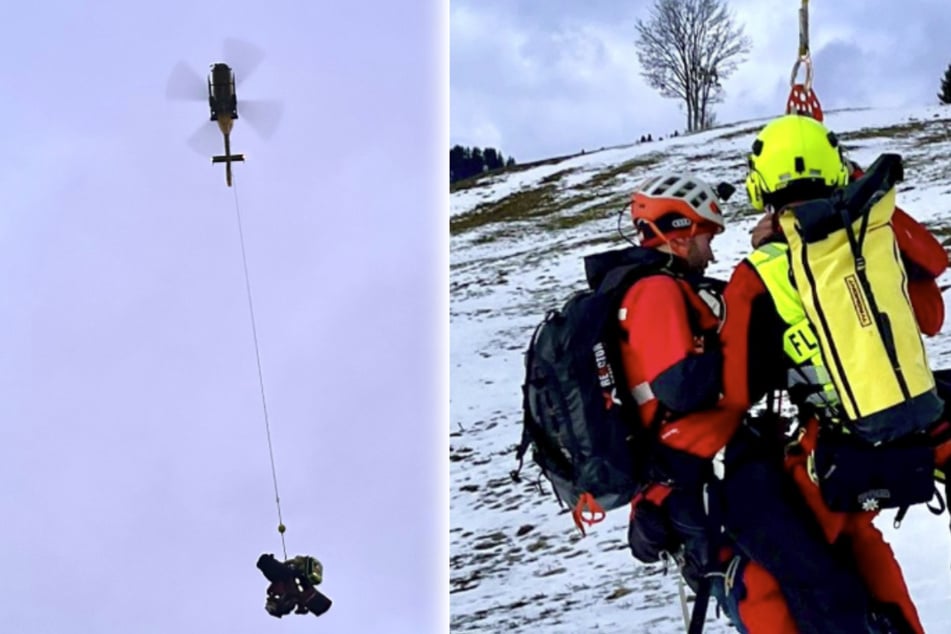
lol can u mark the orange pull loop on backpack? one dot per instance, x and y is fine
(587, 504)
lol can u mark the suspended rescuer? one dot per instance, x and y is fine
(292, 587)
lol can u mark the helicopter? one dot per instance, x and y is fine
(185, 84)
(223, 100)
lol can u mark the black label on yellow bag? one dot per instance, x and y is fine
(858, 301)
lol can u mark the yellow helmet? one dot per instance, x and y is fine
(794, 158)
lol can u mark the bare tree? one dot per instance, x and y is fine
(686, 48)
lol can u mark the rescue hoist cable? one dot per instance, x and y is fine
(804, 57)
(802, 98)
(257, 354)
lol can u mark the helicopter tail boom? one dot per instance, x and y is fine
(227, 158)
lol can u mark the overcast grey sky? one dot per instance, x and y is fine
(538, 79)
(135, 488)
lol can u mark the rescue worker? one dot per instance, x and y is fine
(292, 587)
(768, 344)
(707, 469)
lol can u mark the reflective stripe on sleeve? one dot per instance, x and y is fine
(642, 393)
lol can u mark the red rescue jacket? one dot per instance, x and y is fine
(673, 365)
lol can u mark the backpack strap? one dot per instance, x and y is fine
(713, 499)
(530, 428)
(700, 603)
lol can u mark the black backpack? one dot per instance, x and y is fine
(579, 419)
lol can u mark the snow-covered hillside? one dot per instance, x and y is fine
(517, 564)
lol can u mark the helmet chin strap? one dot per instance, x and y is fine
(658, 232)
(674, 249)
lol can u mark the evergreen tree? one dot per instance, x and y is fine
(477, 165)
(492, 158)
(467, 162)
(945, 95)
(457, 161)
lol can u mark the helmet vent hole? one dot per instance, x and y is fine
(685, 189)
(800, 165)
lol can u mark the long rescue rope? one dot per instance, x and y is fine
(257, 354)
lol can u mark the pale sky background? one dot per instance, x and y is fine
(135, 487)
(540, 79)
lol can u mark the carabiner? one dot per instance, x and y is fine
(807, 61)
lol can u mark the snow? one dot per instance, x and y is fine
(504, 275)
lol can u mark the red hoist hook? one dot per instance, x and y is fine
(802, 99)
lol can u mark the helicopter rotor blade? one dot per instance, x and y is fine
(205, 139)
(263, 115)
(185, 84)
(243, 57)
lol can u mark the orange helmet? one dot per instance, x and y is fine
(670, 206)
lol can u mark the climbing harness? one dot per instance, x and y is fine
(802, 98)
(257, 353)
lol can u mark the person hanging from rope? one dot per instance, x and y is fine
(292, 587)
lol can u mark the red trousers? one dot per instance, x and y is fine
(763, 610)
(873, 556)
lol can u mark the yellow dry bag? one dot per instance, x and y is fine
(847, 267)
